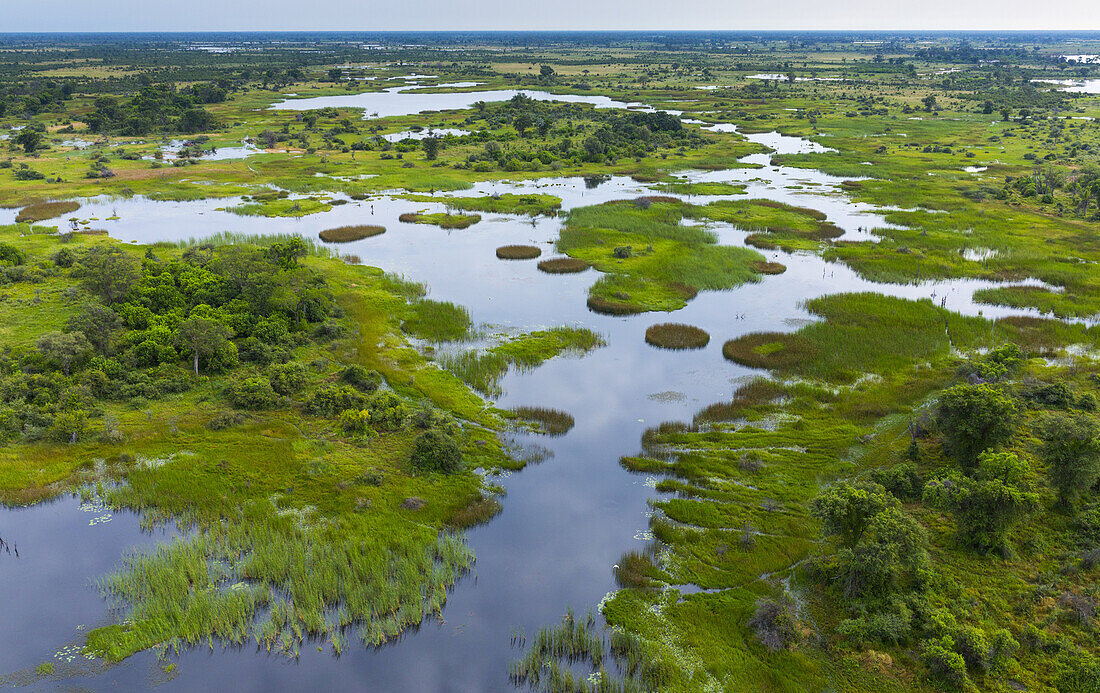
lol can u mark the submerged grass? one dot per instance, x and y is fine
(552, 422)
(437, 321)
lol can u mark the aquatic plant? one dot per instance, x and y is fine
(552, 422)
(346, 234)
(442, 220)
(518, 252)
(563, 265)
(768, 267)
(40, 211)
(672, 335)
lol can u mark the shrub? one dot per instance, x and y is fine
(226, 419)
(518, 252)
(1071, 450)
(361, 379)
(904, 481)
(346, 234)
(436, 451)
(330, 399)
(774, 622)
(287, 378)
(388, 412)
(252, 393)
(945, 666)
(355, 422)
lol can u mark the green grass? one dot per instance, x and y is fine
(45, 210)
(345, 234)
(281, 208)
(437, 321)
(650, 259)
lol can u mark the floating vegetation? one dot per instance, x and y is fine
(40, 211)
(346, 234)
(563, 265)
(507, 203)
(768, 267)
(552, 422)
(281, 208)
(518, 252)
(442, 220)
(671, 335)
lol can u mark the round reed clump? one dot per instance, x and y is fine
(563, 265)
(346, 234)
(768, 267)
(552, 422)
(604, 306)
(671, 335)
(518, 252)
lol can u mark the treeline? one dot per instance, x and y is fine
(157, 108)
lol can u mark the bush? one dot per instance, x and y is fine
(436, 451)
(387, 411)
(330, 399)
(226, 419)
(252, 393)
(945, 666)
(354, 422)
(287, 378)
(774, 622)
(361, 379)
(903, 481)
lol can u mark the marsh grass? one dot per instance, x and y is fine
(518, 252)
(768, 267)
(437, 321)
(479, 511)
(237, 238)
(552, 422)
(578, 657)
(41, 211)
(442, 220)
(757, 392)
(563, 265)
(276, 578)
(346, 234)
(672, 335)
(771, 350)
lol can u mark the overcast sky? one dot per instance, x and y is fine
(367, 15)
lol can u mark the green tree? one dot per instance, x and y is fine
(109, 272)
(891, 555)
(29, 138)
(1071, 450)
(988, 504)
(65, 348)
(846, 509)
(202, 337)
(431, 146)
(974, 418)
(98, 323)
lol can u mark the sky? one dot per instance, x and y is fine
(379, 15)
